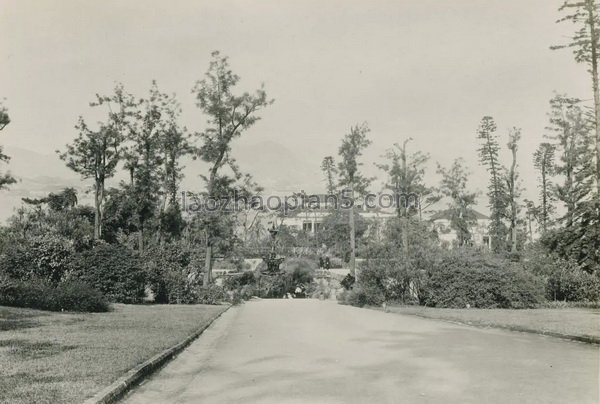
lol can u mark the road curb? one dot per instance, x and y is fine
(123, 384)
(588, 339)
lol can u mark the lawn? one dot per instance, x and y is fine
(569, 321)
(66, 357)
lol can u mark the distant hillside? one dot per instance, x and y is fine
(38, 175)
(275, 167)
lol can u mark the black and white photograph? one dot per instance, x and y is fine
(299, 201)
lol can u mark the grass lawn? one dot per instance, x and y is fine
(571, 321)
(66, 357)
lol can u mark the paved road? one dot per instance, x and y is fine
(309, 351)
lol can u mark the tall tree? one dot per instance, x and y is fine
(229, 116)
(5, 179)
(174, 144)
(454, 186)
(585, 42)
(144, 157)
(351, 149)
(532, 213)
(329, 170)
(543, 161)
(405, 173)
(513, 188)
(497, 192)
(94, 155)
(570, 130)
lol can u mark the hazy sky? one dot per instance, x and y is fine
(423, 69)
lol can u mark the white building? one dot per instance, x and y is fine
(447, 235)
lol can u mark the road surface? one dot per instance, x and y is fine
(310, 351)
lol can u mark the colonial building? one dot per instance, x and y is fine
(447, 235)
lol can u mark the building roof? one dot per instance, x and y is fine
(447, 215)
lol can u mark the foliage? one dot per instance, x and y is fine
(350, 178)
(113, 270)
(38, 257)
(570, 129)
(38, 294)
(95, 155)
(565, 278)
(464, 278)
(330, 172)
(568, 282)
(239, 281)
(210, 294)
(497, 189)
(579, 242)
(514, 191)
(351, 149)
(5, 179)
(299, 270)
(335, 231)
(543, 161)
(406, 173)
(62, 218)
(229, 115)
(362, 295)
(170, 275)
(321, 289)
(119, 216)
(454, 187)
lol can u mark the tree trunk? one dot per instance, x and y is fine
(96, 213)
(352, 237)
(208, 265)
(208, 259)
(404, 209)
(141, 238)
(529, 227)
(513, 207)
(98, 216)
(596, 88)
(544, 199)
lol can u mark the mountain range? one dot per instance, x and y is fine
(275, 167)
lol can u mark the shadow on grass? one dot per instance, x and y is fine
(11, 325)
(33, 350)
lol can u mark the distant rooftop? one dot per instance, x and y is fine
(447, 214)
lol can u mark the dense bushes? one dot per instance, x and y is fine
(37, 294)
(111, 269)
(42, 257)
(169, 274)
(564, 280)
(299, 270)
(212, 294)
(367, 295)
(572, 284)
(463, 278)
(456, 278)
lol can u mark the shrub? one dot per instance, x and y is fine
(570, 283)
(113, 270)
(299, 270)
(212, 294)
(465, 278)
(44, 257)
(363, 296)
(238, 281)
(169, 275)
(564, 279)
(320, 290)
(40, 294)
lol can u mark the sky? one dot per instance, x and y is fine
(426, 69)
